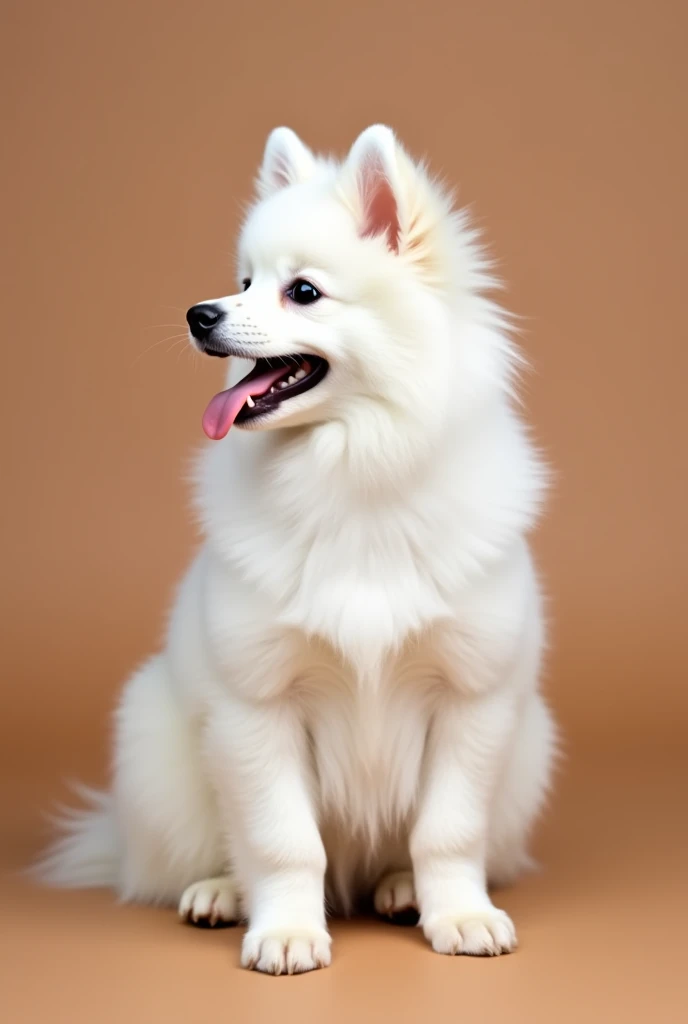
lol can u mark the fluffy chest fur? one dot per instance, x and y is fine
(300, 551)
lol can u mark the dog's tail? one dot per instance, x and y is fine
(85, 856)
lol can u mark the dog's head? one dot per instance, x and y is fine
(352, 277)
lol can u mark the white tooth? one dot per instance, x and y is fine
(249, 402)
(291, 380)
(272, 390)
(300, 374)
(282, 384)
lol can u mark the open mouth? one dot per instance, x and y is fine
(270, 383)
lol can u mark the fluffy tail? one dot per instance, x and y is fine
(85, 856)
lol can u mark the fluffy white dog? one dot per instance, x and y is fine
(347, 704)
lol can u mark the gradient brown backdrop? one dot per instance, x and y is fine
(131, 132)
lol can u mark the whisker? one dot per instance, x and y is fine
(177, 339)
(193, 354)
(153, 327)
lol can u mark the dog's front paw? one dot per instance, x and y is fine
(478, 933)
(286, 950)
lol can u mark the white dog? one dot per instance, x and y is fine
(347, 704)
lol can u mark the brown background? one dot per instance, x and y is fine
(131, 132)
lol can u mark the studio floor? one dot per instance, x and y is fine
(603, 931)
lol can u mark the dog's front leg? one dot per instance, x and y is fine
(448, 842)
(260, 764)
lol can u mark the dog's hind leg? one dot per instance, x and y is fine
(157, 833)
(164, 803)
(521, 793)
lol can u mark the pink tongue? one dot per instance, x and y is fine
(224, 408)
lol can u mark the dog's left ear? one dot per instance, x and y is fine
(286, 162)
(370, 180)
(392, 197)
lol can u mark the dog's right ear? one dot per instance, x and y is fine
(286, 162)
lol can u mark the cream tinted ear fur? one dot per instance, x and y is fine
(394, 198)
(371, 182)
(286, 161)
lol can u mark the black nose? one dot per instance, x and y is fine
(202, 318)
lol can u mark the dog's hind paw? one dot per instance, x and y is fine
(395, 898)
(210, 903)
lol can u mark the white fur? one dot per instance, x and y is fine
(349, 687)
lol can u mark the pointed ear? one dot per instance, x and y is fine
(286, 162)
(371, 183)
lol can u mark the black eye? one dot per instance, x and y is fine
(246, 283)
(303, 293)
